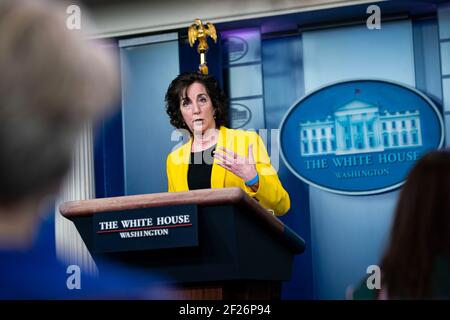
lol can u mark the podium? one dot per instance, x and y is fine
(213, 244)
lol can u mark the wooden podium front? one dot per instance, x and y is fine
(243, 250)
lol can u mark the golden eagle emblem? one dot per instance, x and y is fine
(201, 32)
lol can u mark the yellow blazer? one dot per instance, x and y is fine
(270, 193)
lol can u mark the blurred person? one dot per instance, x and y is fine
(416, 263)
(216, 156)
(51, 82)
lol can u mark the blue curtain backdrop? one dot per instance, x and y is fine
(349, 233)
(283, 86)
(148, 67)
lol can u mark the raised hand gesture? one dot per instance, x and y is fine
(243, 167)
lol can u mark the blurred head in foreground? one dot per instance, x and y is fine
(51, 82)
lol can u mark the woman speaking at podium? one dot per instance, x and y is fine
(216, 156)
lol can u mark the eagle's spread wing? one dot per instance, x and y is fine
(192, 34)
(212, 31)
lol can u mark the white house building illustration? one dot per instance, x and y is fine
(359, 127)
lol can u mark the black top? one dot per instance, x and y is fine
(200, 168)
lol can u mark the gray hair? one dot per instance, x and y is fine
(51, 82)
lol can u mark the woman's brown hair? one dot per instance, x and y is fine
(178, 88)
(421, 229)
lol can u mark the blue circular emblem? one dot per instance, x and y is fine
(236, 48)
(240, 115)
(359, 137)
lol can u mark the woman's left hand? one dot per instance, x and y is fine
(243, 167)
